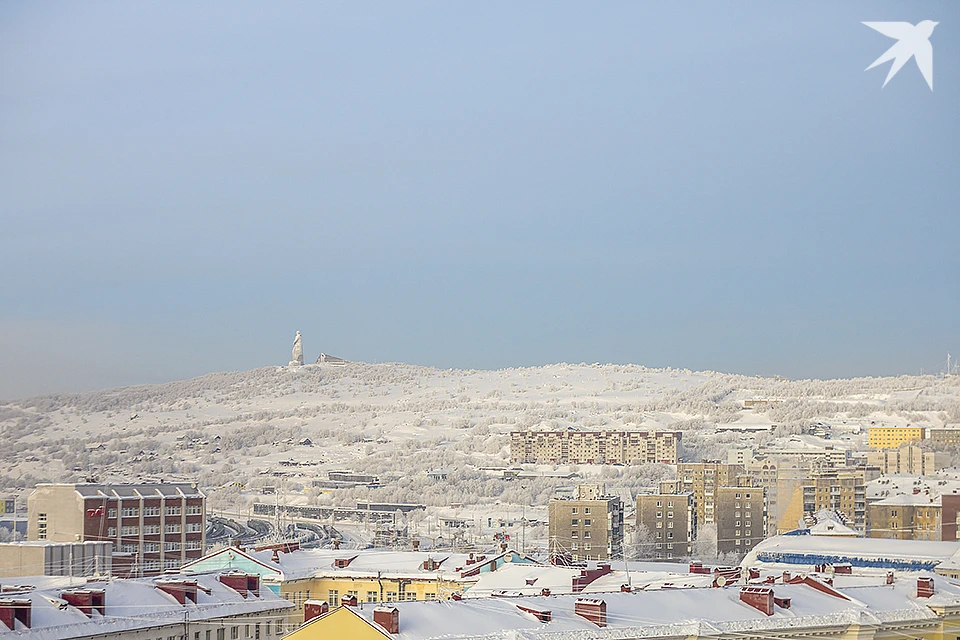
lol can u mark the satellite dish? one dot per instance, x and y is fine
(721, 581)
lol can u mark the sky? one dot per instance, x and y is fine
(704, 185)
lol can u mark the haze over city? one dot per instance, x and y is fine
(715, 186)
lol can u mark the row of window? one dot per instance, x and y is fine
(576, 522)
(276, 627)
(153, 529)
(133, 512)
(586, 510)
(154, 547)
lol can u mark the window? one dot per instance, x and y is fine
(171, 546)
(151, 529)
(193, 527)
(391, 596)
(130, 531)
(670, 505)
(246, 632)
(193, 545)
(129, 547)
(670, 534)
(256, 631)
(372, 596)
(659, 514)
(586, 534)
(586, 547)
(574, 546)
(234, 633)
(573, 510)
(171, 528)
(670, 525)
(111, 532)
(111, 513)
(130, 512)
(586, 510)
(42, 526)
(333, 598)
(196, 635)
(659, 504)
(151, 511)
(574, 534)
(669, 514)
(574, 522)
(172, 511)
(194, 510)
(747, 496)
(586, 522)
(429, 596)
(220, 633)
(171, 564)
(278, 626)
(411, 596)
(207, 634)
(660, 525)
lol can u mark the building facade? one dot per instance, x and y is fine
(586, 527)
(840, 490)
(906, 517)
(702, 479)
(908, 459)
(741, 518)
(153, 527)
(945, 437)
(893, 437)
(666, 525)
(594, 447)
(80, 559)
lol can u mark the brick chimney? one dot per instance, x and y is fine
(889, 577)
(314, 609)
(388, 618)
(349, 600)
(236, 581)
(86, 600)
(336, 543)
(416, 545)
(13, 609)
(594, 611)
(182, 590)
(543, 615)
(760, 598)
(924, 587)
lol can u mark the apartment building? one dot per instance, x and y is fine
(906, 517)
(766, 474)
(908, 459)
(153, 527)
(841, 490)
(741, 517)
(670, 520)
(945, 436)
(594, 447)
(893, 437)
(588, 526)
(702, 479)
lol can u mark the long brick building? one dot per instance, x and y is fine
(153, 527)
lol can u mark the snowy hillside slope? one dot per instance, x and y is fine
(398, 420)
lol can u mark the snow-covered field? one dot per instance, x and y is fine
(239, 432)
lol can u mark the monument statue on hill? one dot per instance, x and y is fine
(297, 351)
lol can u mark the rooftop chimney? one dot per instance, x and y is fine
(236, 581)
(13, 609)
(760, 598)
(86, 600)
(336, 543)
(314, 609)
(182, 590)
(416, 545)
(889, 577)
(924, 587)
(388, 618)
(343, 563)
(543, 615)
(594, 611)
(349, 600)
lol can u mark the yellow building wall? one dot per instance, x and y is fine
(339, 623)
(790, 503)
(893, 437)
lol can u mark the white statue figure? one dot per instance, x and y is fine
(297, 351)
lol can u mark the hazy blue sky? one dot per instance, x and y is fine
(712, 185)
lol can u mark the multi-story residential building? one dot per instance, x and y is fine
(945, 436)
(893, 437)
(840, 490)
(586, 527)
(766, 474)
(702, 479)
(594, 447)
(906, 517)
(741, 517)
(908, 459)
(153, 527)
(807, 456)
(170, 607)
(669, 524)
